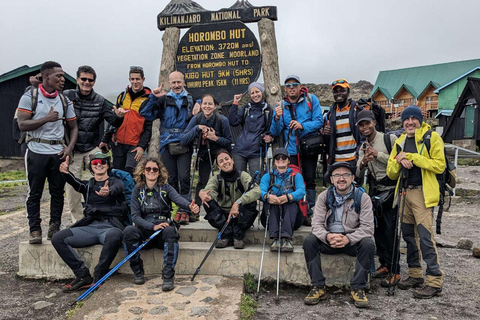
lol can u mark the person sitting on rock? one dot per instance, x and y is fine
(282, 189)
(236, 194)
(105, 213)
(151, 209)
(342, 223)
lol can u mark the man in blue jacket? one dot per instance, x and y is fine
(299, 115)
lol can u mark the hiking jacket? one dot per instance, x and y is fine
(331, 116)
(90, 110)
(430, 163)
(226, 201)
(164, 196)
(254, 125)
(173, 119)
(193, 131)
(357, 225)
(135, 130)
(283, 185)
(311, 120)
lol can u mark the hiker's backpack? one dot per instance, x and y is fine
(128, 183)
(20, 136)
(265, 115)
(221, 187)
(357, 198)
(378, 112)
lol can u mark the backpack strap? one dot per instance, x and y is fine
(65, 109)
(89, 186)
(220, 187)
(246, 112)
(34, 98)
(357, 198)
(164, 197)
(388, 142)
(426, 141)
(120, 99)
(330, 198)
(292, 179)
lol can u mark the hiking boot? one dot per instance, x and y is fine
(307, 221)
(393, 280)
(286, 245)
(83, 282)
(427, 292)
(139, 278)
(35, 237)
(315, 295)
(138, 273)
(238, 244)
(410, 283)
(168, 280)
(275, 245)
(381, 272)
(184, 218)
(222, 243)
(53, 228)
(359, 298)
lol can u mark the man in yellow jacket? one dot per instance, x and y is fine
(411, 156)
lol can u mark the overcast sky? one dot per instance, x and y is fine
(318, 40)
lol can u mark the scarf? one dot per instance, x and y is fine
(339, 199)
(178, 97)
(230, 176)
(46, 94)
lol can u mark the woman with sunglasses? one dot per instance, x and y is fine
(230, 196)
(105, 213)
(213, 133)
(282, 188)
(255, 118)
(151, 209)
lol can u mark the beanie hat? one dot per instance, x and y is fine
(256, 85)
(412, 111)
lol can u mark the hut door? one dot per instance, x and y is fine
(469, 117)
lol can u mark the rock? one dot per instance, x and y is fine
(51, 295)
(159, 310)
(445, 243)
(186, 291)
(154, 301)
(212, 280)
(41, 305)
(205, 288)
(2, 273)
(464, 243)
(129, 293)
(199, 311)
(433, 318)
(207, 300)
(135, 310)
(154, 293)
(110, 310)
(476, 252)
(179, 306)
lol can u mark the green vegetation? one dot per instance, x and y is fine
(71, 312)
(12, 175)
(247, 307)
(249, 283)
(468, 162)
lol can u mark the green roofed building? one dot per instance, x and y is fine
(433, 88)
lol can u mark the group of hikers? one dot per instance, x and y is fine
(64, 136)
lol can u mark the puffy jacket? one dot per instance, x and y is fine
(357, 225)
(255, 124)
(90, 110)
(310, 119)
(173, 119)
(430, 163)
(283, 185)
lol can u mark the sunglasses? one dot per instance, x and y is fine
(344, 176)
(292, 85)
(281, 157)
(96, 162)
(154, 169)
(339, 81)
(87, 79)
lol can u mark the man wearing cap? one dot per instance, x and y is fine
(131, 139)
(340, 124)
(416, 167)
(299, 115)
(338, 228)
(91, 110)
(373, 156)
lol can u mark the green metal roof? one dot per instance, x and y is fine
(456, 79)
(20, 71)
(418, 78)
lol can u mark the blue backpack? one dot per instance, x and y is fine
(128, 185)
(357, 198)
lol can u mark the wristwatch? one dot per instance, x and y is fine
(239, 202)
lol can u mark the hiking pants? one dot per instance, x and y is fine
(309, 172)
(418, 220)
(363, 250)
(178, 168)
(40, 167)
(98, 232)
(253, 164)
(123, 157)
(290, 212)
(204, 173)
(166, 240)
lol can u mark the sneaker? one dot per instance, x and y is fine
(410, 283)
(307, 221)
(286, 245)
(79, 283)
(392, 281)
(275, 245)
(222, 243)
(53, 228)
(35, 237)
(184, 218)
(315, 295)
(381, 272)
(238, 244)
(359, 298)
(427, 292)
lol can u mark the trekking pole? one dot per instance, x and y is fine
(195, 164)
(211, 248)
(269, 157)
(210, 157)
(280, 213)
(121, 263)
(398, 233)
(263, 252)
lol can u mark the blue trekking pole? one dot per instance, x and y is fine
(121, 263)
